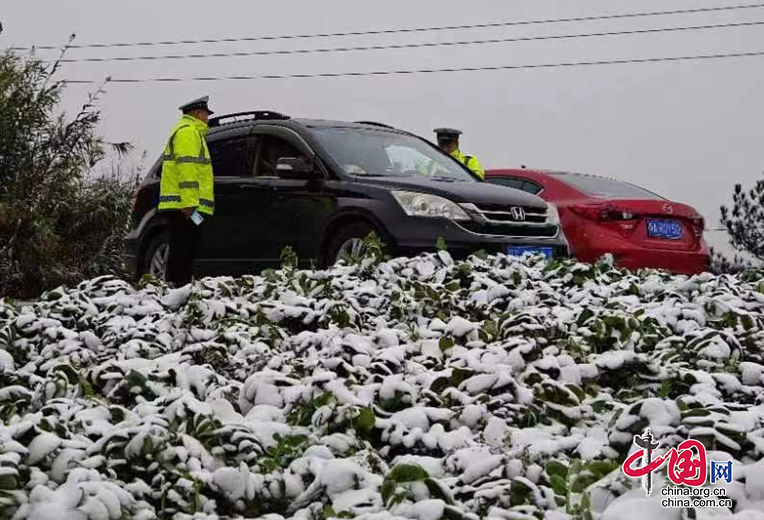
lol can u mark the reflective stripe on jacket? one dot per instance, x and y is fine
(187, 180)
(470, 161)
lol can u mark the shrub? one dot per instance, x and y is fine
(744, 221)
(58, 223)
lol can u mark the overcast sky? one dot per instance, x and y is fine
(687, 130)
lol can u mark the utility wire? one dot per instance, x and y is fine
(427, 71)
(644, 14)
(410, 45)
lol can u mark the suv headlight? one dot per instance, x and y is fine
(552, 215)
(425, 205)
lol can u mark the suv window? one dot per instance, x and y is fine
(403, 159)
(232, 157)
(382, 153)
(271, 150)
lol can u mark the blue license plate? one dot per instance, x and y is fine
(548, 252)
(665, 229)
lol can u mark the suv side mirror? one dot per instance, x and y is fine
(291, 167)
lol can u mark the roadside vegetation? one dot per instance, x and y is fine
(422, 388)
(63, 212)
(744, 221)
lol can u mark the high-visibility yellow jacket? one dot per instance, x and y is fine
(470, 161)
(187, 180)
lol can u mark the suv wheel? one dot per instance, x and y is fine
(347, 242)
(157, 254)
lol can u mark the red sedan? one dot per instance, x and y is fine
(601, 215)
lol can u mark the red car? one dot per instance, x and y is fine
(601, 215)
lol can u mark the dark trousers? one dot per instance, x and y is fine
(184, 237)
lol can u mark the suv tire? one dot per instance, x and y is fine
(348, 238)
(157, 253)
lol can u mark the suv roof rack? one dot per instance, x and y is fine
(255, 115)
(374, 123)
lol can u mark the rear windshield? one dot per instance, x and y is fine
(605, 188)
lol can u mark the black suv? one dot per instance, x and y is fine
(322, 186)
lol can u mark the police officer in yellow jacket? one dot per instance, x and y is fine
(448, 141)
(186, 194)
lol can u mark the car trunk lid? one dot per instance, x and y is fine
(654, 224)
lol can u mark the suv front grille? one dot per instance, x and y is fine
(507, 220)
(518, 214)
(511, 230)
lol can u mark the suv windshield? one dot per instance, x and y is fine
(378, 153)
(606, 188)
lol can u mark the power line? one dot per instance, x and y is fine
(407, 30)
(411, 45)
(427, 71)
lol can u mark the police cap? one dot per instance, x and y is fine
(196, 104)
(447, 134)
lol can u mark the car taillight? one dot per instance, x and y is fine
(589, 212)
(698, 225)
(603, 212)
(624, 220)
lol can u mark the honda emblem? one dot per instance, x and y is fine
(518, 213)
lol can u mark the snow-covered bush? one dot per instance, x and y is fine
(410, 388)
(62, 218)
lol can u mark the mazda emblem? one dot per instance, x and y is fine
(668, 208)
(518, 213)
